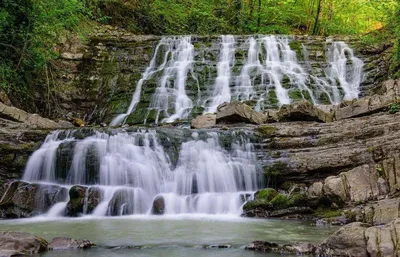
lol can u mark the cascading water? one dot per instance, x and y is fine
(133, 171)
(171, 89)
(187, 76)
(339, 54)
(222, 92)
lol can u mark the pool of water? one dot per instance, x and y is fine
(176, 235)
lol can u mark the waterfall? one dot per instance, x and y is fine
(348, 75)
(190, 75)
(222, 92)
(171, 89)
(133, 169)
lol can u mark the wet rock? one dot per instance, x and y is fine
(303, 111)
(217, 246)
(262, 246)
(298, 248)
(158, 206)
(76, 201)
(238, 112)
(64, 243)
(204, 121)
(122, 203)
(93, 199)
(20, 243)
(22, 199)
(83, 200)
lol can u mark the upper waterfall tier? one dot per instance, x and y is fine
(203, 172)
(187, 77)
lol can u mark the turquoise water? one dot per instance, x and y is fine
(177, 235)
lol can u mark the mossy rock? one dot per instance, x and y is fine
(299, 199)
(272, 98)
(266, 131)
(280, 201)
(251, 205)
(275, 169)
(266, 194)
(137, 117)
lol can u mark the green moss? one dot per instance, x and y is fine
(298, 199)
(266, 194)
(327, 213)
(250, 205)
(280, 201)
(266, 131)
(276, 168)
(196, 111)
(272, 98)
(297, 47)
(295, 94)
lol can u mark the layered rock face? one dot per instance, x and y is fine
(97, 79)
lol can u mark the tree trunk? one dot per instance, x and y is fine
(251, 9)
(259, 15)
(315, 29)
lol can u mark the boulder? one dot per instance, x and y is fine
(262, 246)
(385, 211)
(20, 243)
(13, 113)
(158, 206)
(383, 240)
(238, 112)
(83, 200)
(299, 248)
(37, 121)
(391, 170)
(22, 199)
(122, 202)
(76, 201)
(65, 124)
(303, 111)
(64, 243)
(315, 190)
(334, 187)
(362, 184)
(349, 240)
(370, 104)
(204, 121)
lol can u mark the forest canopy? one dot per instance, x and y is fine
(31, 29)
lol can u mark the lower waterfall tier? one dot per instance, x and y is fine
(114, 173)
